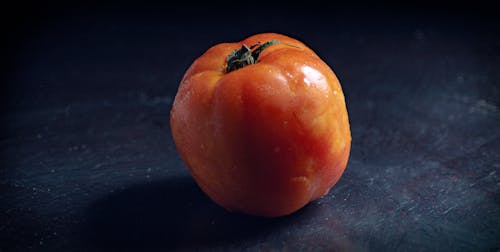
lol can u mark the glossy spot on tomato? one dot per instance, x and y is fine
(313, 77)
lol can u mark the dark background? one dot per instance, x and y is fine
(88, 162)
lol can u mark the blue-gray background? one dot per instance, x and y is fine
(88, 162)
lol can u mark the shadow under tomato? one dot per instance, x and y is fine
(170, 214)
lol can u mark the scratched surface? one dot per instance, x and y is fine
(88, 162)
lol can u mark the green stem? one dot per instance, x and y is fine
(245, 56)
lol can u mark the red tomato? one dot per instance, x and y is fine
(262, 125)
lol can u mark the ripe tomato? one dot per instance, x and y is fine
(262, 125)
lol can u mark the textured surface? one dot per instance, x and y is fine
(87, 159)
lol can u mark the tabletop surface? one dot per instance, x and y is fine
(88, 161)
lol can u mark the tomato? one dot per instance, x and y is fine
(262, 125)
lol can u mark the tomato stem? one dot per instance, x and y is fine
(245, 56)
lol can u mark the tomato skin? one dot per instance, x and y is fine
(267, 138)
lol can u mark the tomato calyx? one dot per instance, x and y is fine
(245, 56)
